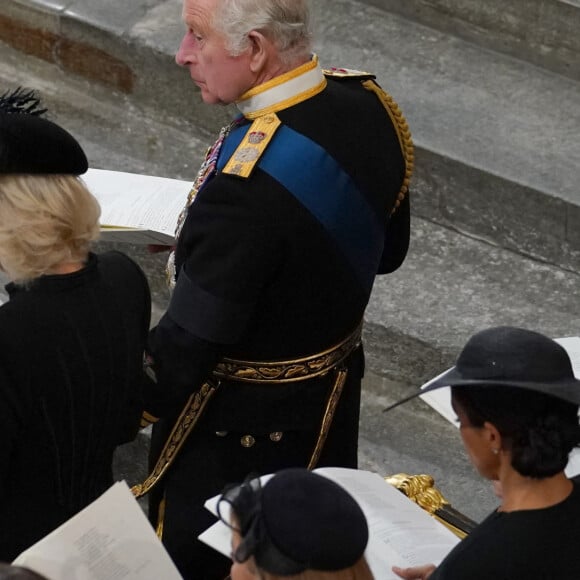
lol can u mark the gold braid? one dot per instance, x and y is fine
(403, 134)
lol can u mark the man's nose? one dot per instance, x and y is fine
(181, 57)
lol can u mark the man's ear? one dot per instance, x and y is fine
(260, 50)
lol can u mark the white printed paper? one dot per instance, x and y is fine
(110, 539)
(137, 208)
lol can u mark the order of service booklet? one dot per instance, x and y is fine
(440, 399)
(137, 209)
(110, 538)
(400, 532)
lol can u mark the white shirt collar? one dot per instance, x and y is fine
(283, 91)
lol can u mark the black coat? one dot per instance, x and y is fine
(536, 544)
(71, 382)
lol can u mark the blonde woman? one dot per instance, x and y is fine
(298, 526)
(71, 336)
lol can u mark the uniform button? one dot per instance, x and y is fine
(276, 436)
(247, 441)
(221, 433)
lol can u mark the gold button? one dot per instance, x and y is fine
(276, 436)
(221, 433)
(269, 119)
(247, 441)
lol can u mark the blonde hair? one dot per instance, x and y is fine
(45, 220)
(358, 571)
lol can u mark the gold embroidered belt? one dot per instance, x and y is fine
(258, 372)
(288, 371)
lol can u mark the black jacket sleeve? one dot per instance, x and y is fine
(181, 363)
(397, 236)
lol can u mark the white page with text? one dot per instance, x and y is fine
(130, 201)
(110, 538)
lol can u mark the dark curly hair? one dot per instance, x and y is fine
(540, 431)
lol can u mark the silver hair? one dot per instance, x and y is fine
(284, 22)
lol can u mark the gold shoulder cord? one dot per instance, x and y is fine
(403, 134)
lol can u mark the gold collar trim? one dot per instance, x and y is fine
(283, 91)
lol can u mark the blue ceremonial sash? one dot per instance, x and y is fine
(316, 180)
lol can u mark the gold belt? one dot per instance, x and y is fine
(258, 372)
(288, 371)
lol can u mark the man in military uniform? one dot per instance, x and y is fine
(298, 205)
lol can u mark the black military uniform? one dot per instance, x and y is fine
(275, 262)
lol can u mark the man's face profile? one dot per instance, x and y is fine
(221, 77)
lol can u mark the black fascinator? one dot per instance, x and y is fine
(297, 521)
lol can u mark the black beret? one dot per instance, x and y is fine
(298, 521)
(33, 145)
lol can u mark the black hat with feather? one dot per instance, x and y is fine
(31, 144)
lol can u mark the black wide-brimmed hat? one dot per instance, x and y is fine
(31, 144)
(510, 357)
(297, 521)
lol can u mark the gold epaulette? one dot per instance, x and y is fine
(403, 134)
(253, 145)
(347, 73)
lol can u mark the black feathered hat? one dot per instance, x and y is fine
(510, 357)
(30, 144)
(297, 521)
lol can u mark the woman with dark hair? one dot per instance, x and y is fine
(72, 334)
(516, 400)
(298, 526)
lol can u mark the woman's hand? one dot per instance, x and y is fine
(415, 573)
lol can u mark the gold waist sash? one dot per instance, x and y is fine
(288, 371)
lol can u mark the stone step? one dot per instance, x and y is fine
(496, 137)
(543, 32)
